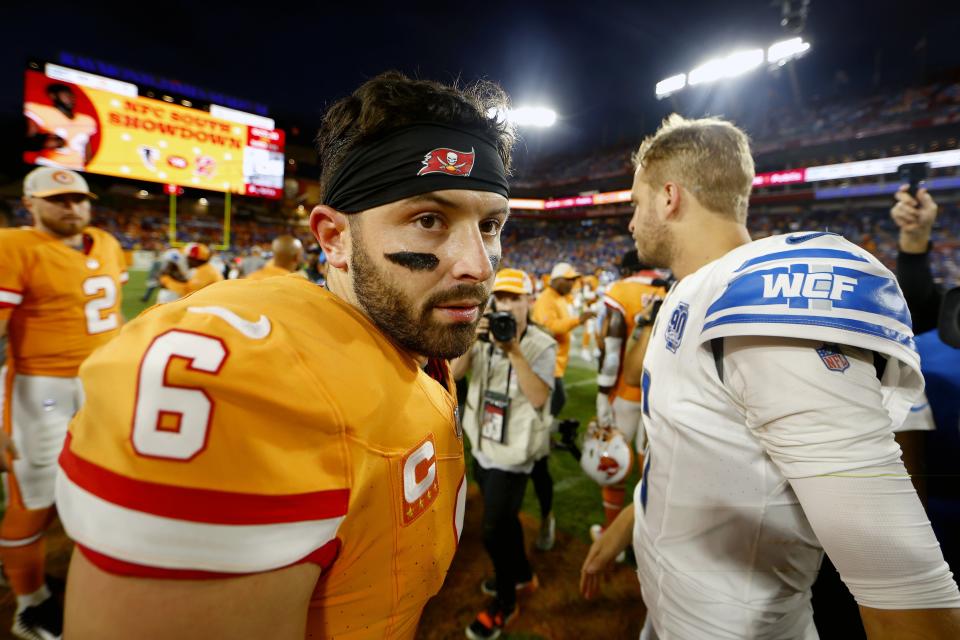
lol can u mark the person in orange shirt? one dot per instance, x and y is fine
(287, 256)
(619, 403)
(202, 272)
(589, 296)
(280, 460)
(552, 312)
(60, 283)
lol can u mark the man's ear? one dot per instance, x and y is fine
(331, 229)
(672, 194)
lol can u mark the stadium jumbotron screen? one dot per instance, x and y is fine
(91, 123)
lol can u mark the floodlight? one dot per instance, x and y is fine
(780, 53)
(532, 116)
(735, 64)
(671, 85)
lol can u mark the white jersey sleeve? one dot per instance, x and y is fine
(818, 286)
(831, 438)
(814, 414)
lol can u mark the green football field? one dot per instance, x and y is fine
(577, 502)
(132, 291)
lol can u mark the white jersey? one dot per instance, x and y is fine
(920, 417)
(723, 547)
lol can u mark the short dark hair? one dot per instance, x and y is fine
(57, 87)
(392, 100)
(630, 263)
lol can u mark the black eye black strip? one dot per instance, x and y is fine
(414, 261)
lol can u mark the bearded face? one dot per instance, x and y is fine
(410, 320)
(63, 215)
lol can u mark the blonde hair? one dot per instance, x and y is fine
(708, 156)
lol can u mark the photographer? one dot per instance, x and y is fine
(552, 312)
(507, 420)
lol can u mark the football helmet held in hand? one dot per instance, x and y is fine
(607, 456)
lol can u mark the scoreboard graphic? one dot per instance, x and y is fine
(91, 123)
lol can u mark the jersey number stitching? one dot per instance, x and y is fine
(96, 322)
(173, 421)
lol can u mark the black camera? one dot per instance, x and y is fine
(503, 326)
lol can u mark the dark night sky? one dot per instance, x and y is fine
(595, 62)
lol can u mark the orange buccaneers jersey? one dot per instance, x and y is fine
(255, 425)
(76, 133)
(630, 297)
(61, 303)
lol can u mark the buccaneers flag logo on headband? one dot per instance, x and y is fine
(448, 161)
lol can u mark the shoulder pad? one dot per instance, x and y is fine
(811, 285)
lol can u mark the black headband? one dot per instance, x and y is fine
(412, 160)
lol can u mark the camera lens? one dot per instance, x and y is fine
(503, 326)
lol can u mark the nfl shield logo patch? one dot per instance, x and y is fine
(832, 358)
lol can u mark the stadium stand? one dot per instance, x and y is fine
(915, 120)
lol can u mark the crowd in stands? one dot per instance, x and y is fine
(535, 245)
(145, 228)
(778, 128)
(589, 243)
(839, 120)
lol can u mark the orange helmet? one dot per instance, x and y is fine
(197, 251)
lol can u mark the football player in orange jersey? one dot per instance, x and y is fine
(202, 272)
(618, 402)
(56, 133)
(59, 300)
(589, 295)
(281, 460)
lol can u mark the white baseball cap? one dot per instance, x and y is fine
(44, 182)
(563, 270)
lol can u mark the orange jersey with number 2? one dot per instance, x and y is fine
(61, 303)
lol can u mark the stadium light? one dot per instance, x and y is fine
(735, 64)
(671, 85)
(527, 116)
(782, 52)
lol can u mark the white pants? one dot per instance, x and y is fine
(41, 408)
(628, 416)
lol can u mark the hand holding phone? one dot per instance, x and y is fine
(912, 174)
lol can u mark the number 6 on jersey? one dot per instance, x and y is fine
(172, 421)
